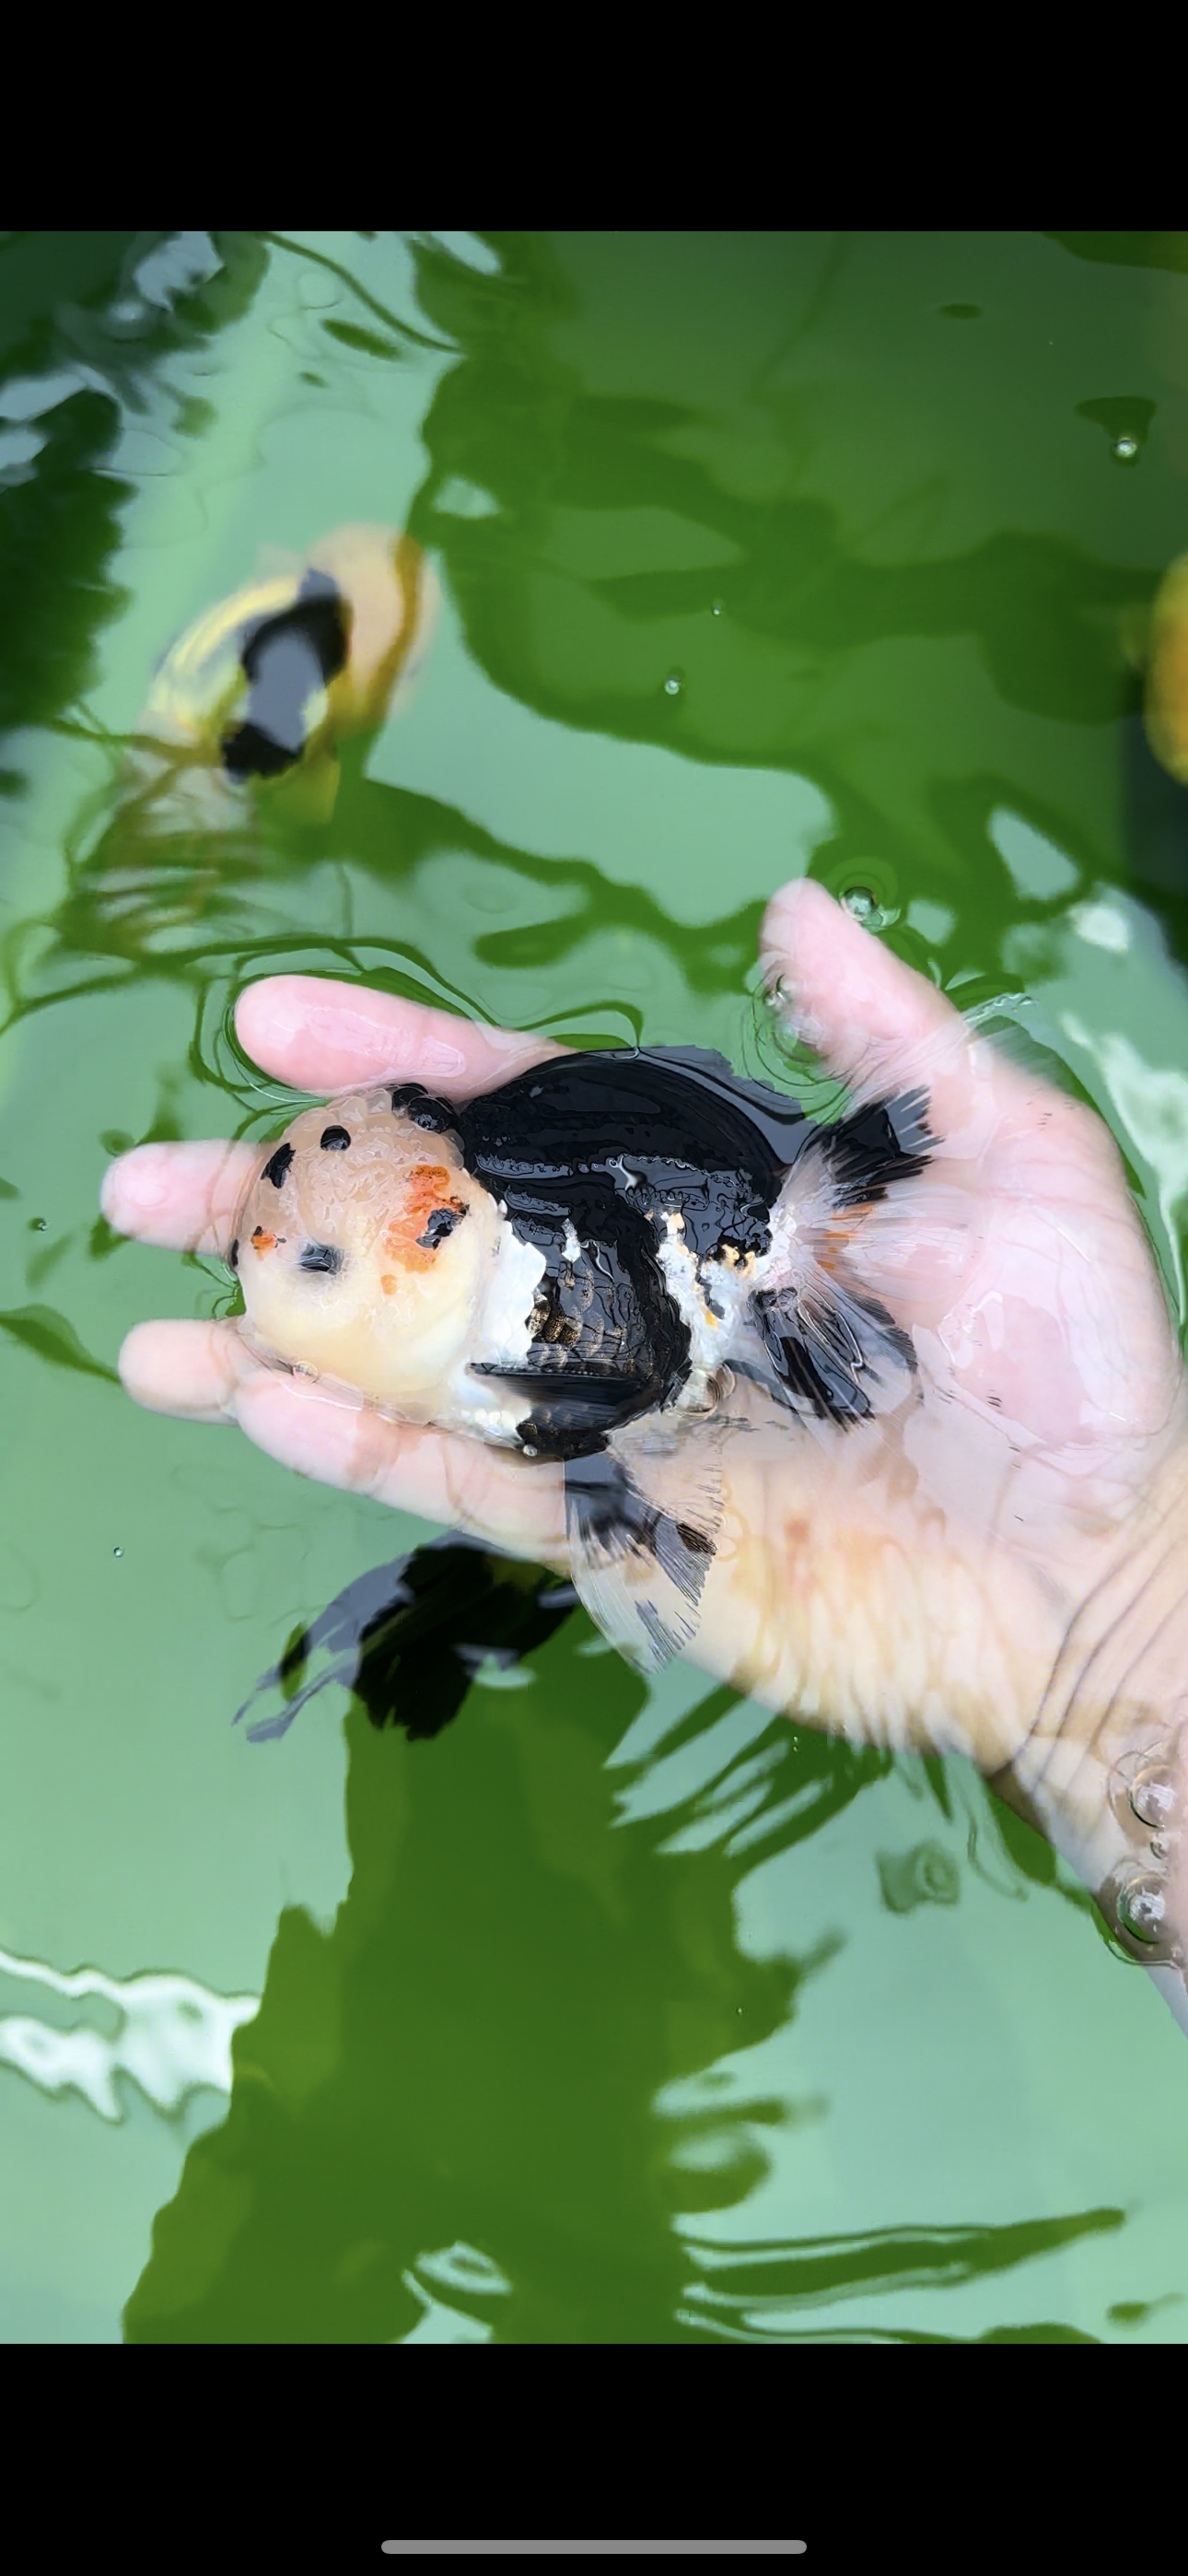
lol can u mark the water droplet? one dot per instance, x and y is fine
(1125, 449)
(717, 608)
(1152, 1798)
(674, 684)
(1140, 1910)
(38, 1224)
(117, 1551)
(1133, 1897)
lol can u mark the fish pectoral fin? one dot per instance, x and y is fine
(565, 1403)
(642, 1526)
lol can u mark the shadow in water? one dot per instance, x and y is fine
(477, 2105)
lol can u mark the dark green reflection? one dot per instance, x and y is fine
(64, 306)
(473, 2052)
(920, 687)
(456, 2085)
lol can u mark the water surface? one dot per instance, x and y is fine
(594, 2012)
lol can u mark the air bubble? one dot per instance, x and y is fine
(674, 684)
(717, 608)
(1153, 1798)
(1140, 1910)
(38, 1224)
(1142, 1787)
(117, 1551)
(862, 903)
(1134, 1899)
(1125, 449)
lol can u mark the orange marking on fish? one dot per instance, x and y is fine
(427, 1188)
(262, 1242)
(838, 1234)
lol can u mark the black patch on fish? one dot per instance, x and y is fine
(441, 1223)
(571, 1413)
(321, 1256)
(699, 1140)
(707, 1147)
(277, 1169)
(551, 1146)
(251, 753)
(233, 1255)
(334, 1140)
(286, 659)
(411, 1100)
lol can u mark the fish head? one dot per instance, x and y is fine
(363, 1248)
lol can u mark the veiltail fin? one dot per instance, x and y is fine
(821, 1343)
(642, 1519)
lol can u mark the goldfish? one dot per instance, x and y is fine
(581, 1266)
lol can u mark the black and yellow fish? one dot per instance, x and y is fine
(261, 689)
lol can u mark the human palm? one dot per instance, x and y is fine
(965, 1571)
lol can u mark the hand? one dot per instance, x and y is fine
(997, 1566)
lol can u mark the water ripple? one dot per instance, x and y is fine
(173, 2039)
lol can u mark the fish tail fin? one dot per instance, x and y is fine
(819, 1340)
(875, 1146)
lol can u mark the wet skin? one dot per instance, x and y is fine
(998, 1566)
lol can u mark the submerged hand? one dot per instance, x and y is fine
(998, 1565)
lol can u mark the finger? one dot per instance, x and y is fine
(205, 1373)
(846, 983)
(184, 1196)
(322, 1037)
(192, 1370)
(873, 1020)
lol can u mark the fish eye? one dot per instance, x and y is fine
(441, 1223)
(321, 1256)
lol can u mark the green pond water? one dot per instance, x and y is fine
(606, 2012)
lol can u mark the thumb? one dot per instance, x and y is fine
(874, 1022)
